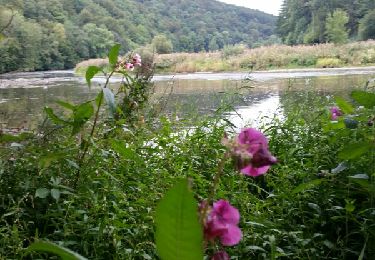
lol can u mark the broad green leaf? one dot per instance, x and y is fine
(344, 105)
(360, 176)
(65, 104)
(57, 120)
(55, 193)
(42, 193)
(81, 115)
(90, 73)
(178, 231)
(110, 99)
(64, 253)
(113, 54)
(349, 206)
(307, 185)
(254, 248)
(45, 161)
(124, 152)
(364, 98)
(354, 150)
(83, 112)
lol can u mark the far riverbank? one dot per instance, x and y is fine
(240, 58)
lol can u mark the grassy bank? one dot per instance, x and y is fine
(91, 180)
(239, 58)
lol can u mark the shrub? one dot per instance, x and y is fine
(328, 63)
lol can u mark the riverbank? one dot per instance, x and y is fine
(239, 58)
(55, 78)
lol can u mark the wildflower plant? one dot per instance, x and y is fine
(218, 221)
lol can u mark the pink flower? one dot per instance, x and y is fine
(129, 66)
(250, 152)
(137, 61)
(335, 113)
(221, 255)
(222, 222)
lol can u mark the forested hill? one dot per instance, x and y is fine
(56, 34)
(319, 21)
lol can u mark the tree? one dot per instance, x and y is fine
(367, 26)
(336, 27)
(162, 44)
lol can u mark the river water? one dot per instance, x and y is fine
(23, 95)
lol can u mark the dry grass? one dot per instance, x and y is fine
(263, 58)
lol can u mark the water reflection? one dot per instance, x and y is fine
(250, 102)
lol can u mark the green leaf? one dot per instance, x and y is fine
(83, 112)
(42, 193)
(113, 54)
(354, 150)
(45, 161)
(54, 118)
(90, 73)
(307, 185)
(124, 152)
(64, 253)
(65, 104)
(344, 105)
(364, 98)
(55, 193)
(110, 99)
(178, 231)
(81, 115)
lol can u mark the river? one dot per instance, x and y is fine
(23, 95)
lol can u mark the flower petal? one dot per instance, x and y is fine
(232, 236)
(254, 172)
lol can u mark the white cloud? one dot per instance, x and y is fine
(268, 6)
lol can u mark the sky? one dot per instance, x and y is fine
(267, 6)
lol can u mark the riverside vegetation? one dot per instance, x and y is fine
(124, 182)
(240, 58)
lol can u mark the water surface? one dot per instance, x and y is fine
(23, 95)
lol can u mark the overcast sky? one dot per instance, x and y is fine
(268, 6)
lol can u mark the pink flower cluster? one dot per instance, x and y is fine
(335, 113)
(136, 61)
(222, 222)
(250, 152)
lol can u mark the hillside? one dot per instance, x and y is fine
(56, 34)
(321, 21)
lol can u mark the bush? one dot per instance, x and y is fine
(328, 63)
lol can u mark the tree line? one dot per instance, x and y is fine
(320, 21)
(56, 34)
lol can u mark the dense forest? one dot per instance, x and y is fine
(320, 21)
(56, 34)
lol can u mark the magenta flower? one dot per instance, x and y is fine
(335, 113)
(220, 255)
(250, 152)
(137, 61)
(129, 66)
(222, 222)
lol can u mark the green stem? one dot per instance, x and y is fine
(215, 184)
(86, 146)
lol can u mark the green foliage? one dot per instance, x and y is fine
(57, 34)
(367, 26)
(366, 99)
(336, 27)
(98, 196)
(178, 232)
(49, 247)
(308, 21)
(328, 63)
(162, 44)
